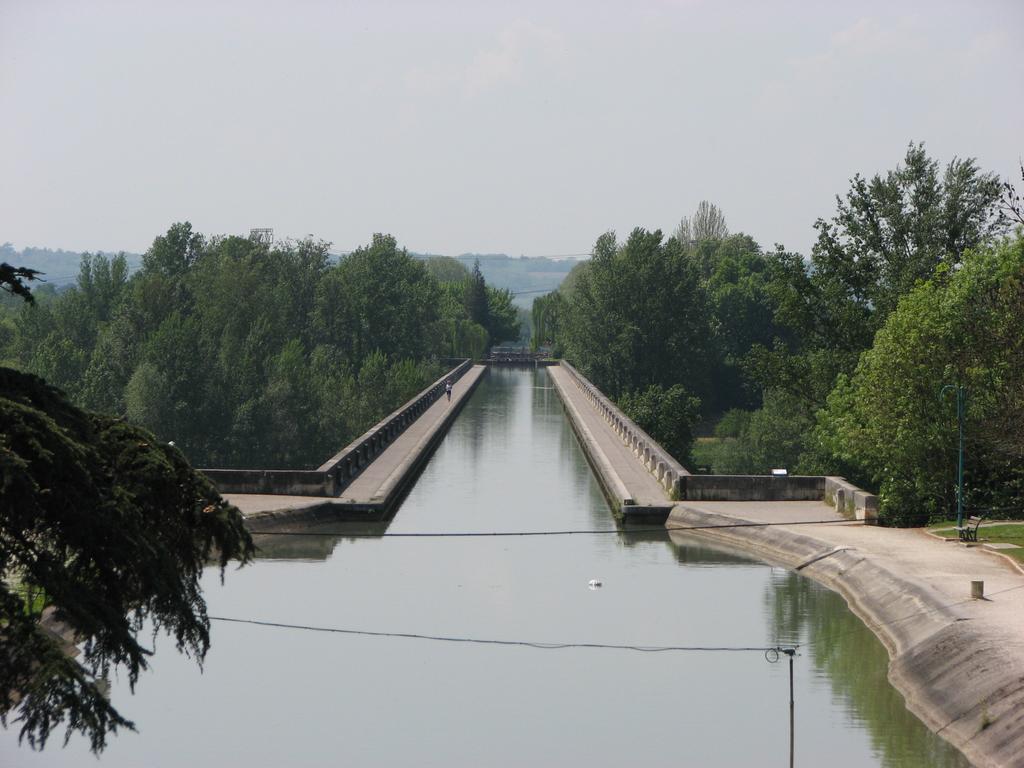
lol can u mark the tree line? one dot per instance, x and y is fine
(832, 364)
(248, 354)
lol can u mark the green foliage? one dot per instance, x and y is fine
(246, 353)
(377, 298)
(667, 415)
(502, 316)
(893, 231)
(571, 280)
(475, 298)
(734, 423)
(115, 527)
(548, 313)
(889, 232)
(888, 423)
(673, 312)
(736, 275)
(637, 317)
(463, 338)
(755, 442)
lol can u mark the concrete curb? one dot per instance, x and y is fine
(959, 682)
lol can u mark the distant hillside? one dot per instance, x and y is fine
(526, 276)
(59, 267)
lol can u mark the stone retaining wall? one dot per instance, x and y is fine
(331, 477)
(753, 488)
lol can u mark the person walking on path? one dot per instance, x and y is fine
(448, 389)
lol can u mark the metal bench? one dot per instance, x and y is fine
(969, 531)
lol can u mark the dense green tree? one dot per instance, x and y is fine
(378, 298)
(502, 317)
(773, 436)
(114, 528)
(173, 254)
(249, 353)
(568, 285)
(736, 276)
(475, 297)
(102, 282)
(548, 313)
(889, 232)
(888, 424)
(893, 231)
(667, 415)
(638, 317)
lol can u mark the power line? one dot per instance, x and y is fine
(545, 646)
(535, 290)
(581, 532)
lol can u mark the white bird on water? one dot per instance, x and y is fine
(595, 584)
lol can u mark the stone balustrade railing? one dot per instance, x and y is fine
(332, 477)
(850, 500)
(667, 470)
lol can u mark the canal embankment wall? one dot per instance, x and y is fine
(338, 472)
(675, 480)
(957, 672)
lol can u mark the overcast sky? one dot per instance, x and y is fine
(521, 127)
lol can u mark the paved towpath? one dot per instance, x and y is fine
(617, 459)
(377, 484)
(912, 553)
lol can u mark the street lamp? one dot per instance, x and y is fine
(961, 406)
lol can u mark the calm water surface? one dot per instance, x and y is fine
(271, 696)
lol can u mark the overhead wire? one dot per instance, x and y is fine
(539, 645)
(579, 532)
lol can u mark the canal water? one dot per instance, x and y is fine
(273, 696)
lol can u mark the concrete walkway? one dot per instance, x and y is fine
(947, 567)
(958, 661)
(624, 477)
(379, 485)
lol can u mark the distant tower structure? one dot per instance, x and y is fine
(263, 235)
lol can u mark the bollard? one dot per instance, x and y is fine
(978, 590)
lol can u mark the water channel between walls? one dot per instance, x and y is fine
(275, 696)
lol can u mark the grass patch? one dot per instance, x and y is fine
(995, 532)
(709, 452)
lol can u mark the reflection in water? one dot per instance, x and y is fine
(277, 696)
(312, 541)
(845, 654)
(848, 655)
(691, 549)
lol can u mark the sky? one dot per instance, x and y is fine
(526, 128)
